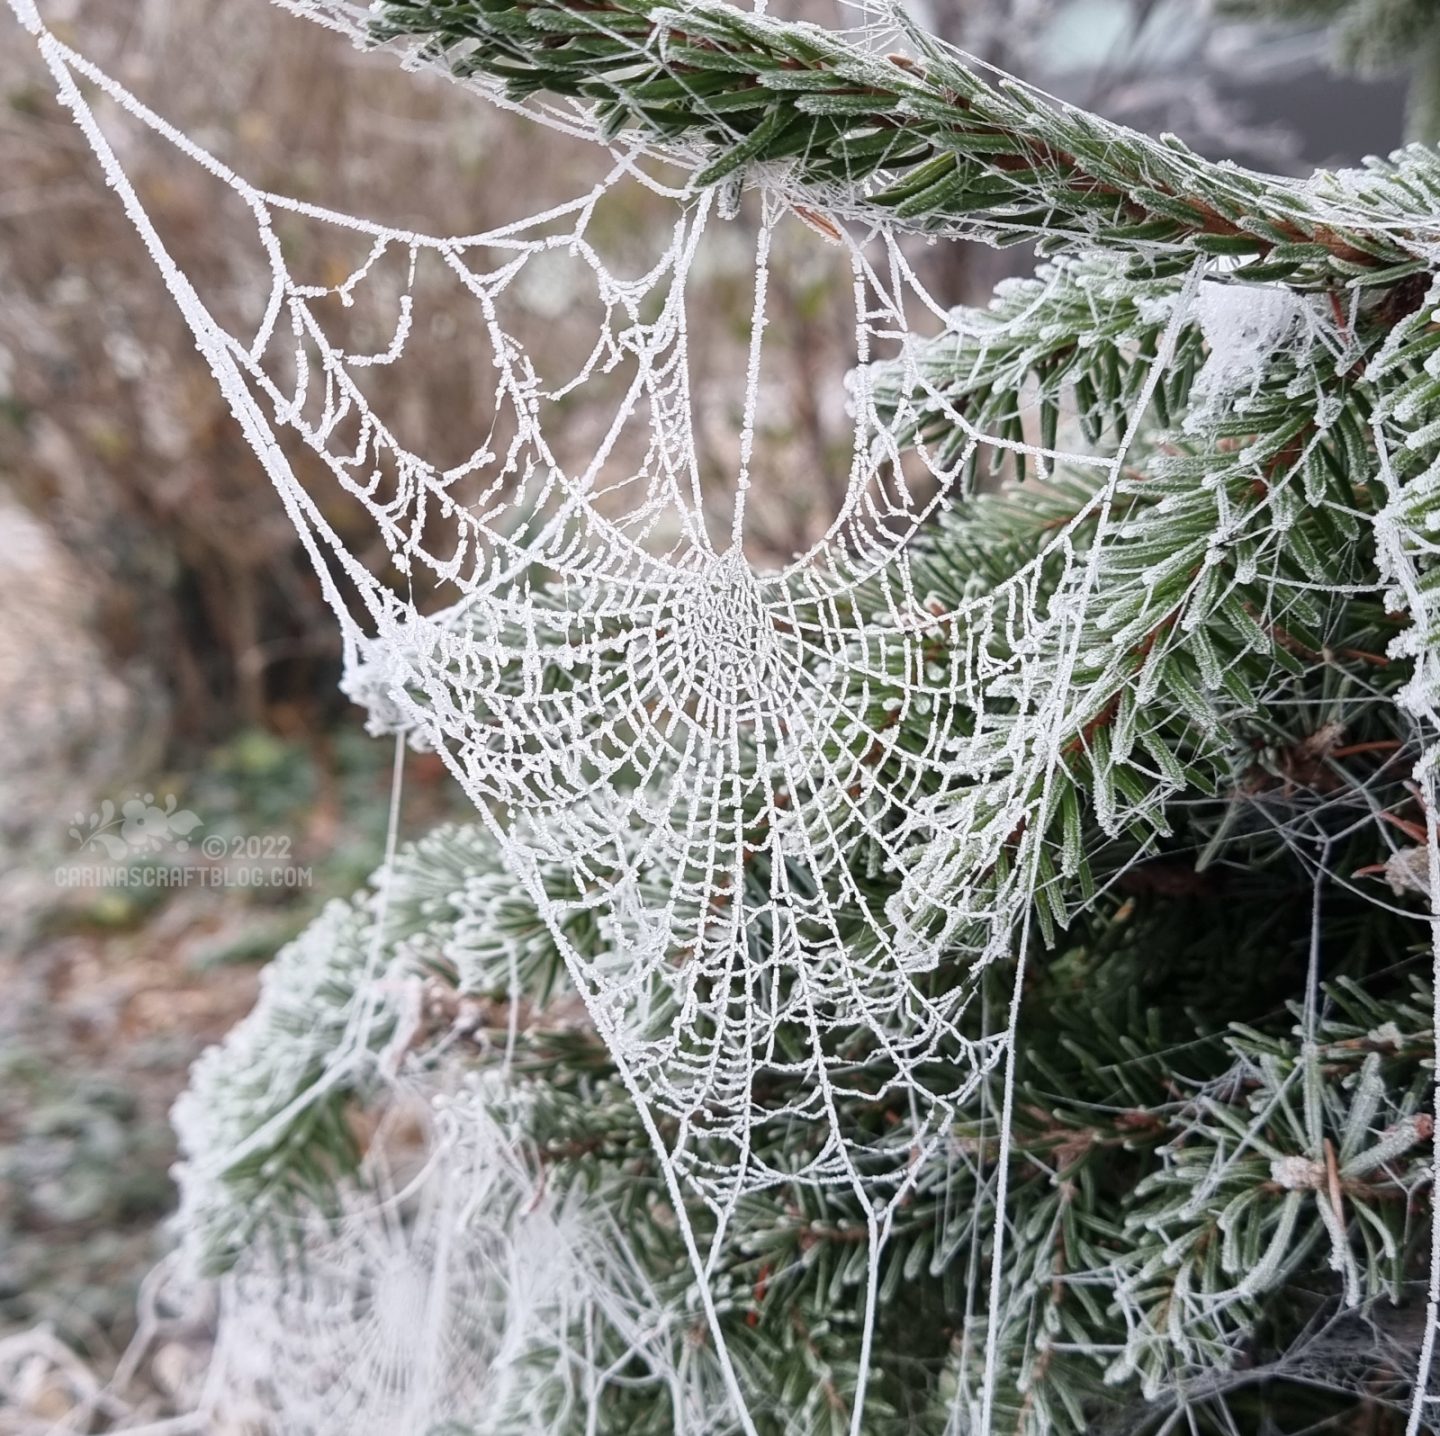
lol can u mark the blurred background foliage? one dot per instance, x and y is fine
(163, 632)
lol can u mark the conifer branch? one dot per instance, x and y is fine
(929, 144)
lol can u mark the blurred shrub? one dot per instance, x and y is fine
(111, 426)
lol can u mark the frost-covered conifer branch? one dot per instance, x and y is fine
(1209, 1190)
(927, 144)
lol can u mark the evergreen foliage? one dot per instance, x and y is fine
(1225, 1178)
(1228, 1193)
(1220, 1135)
(927, 143)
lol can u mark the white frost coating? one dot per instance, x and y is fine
(454, 1286)
(1247, 327)
(627, 697)
(1297, 1174)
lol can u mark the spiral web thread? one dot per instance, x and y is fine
(706, 711)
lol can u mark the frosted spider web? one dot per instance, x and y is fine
(700, 746)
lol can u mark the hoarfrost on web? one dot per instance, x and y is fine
(688, 749)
